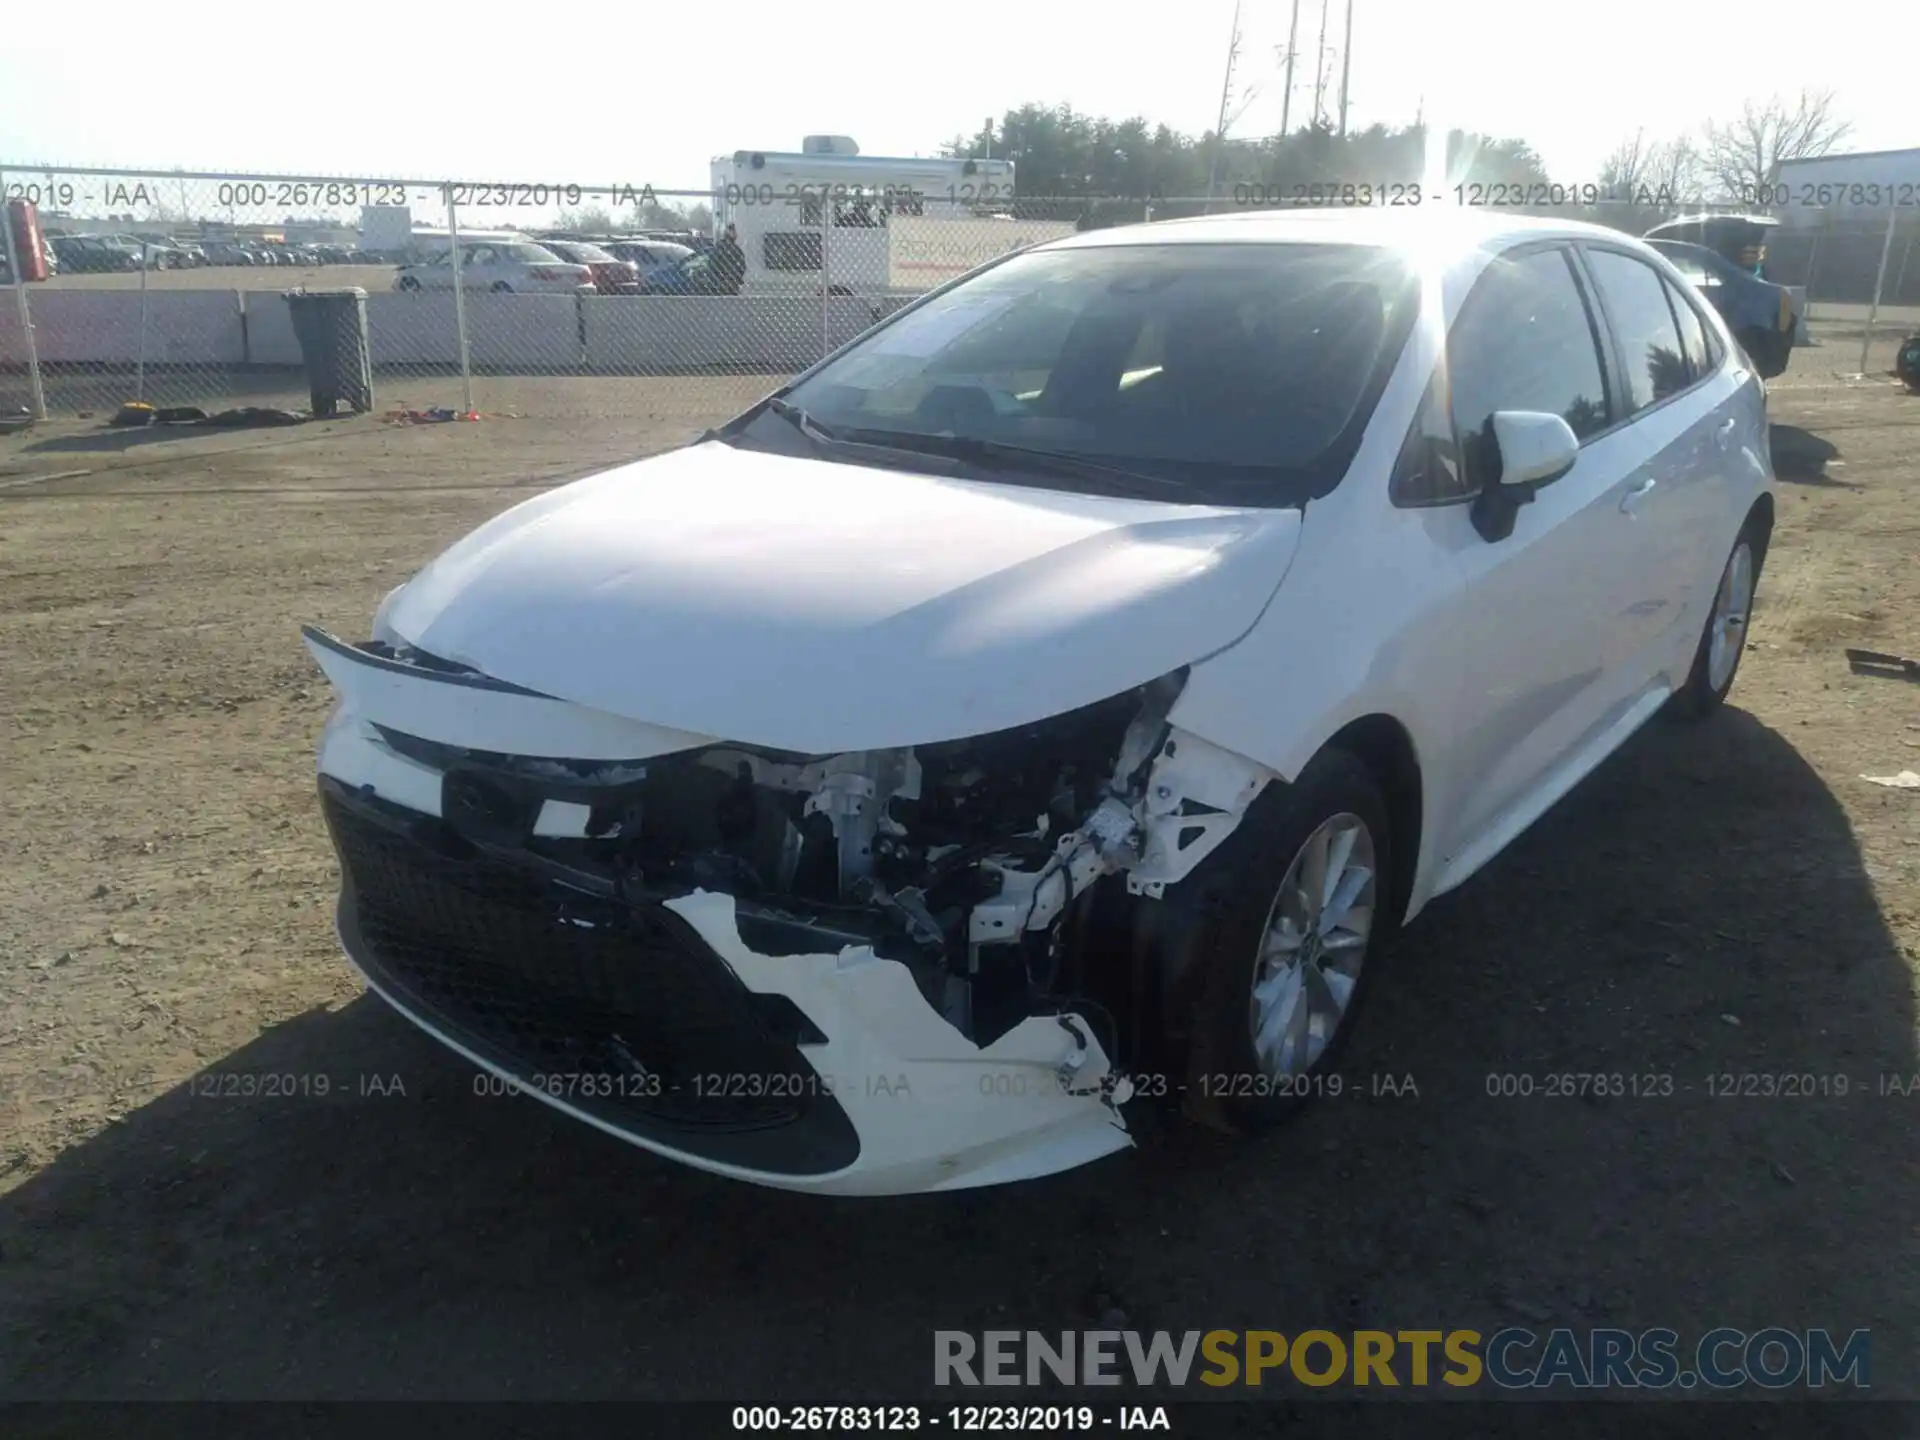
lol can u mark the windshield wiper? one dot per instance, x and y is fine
(801, 421)
(1056, 463)
(970, 450)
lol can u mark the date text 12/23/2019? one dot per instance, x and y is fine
(961, 1419)
(1486, 194)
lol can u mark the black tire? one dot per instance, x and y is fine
(1227, 1088)
(408, 282)
(1906, 363)
(1699, 696)
(501, 287)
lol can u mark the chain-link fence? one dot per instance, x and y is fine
(658, 303)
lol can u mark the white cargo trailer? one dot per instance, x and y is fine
(828, 219)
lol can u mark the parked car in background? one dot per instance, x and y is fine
(692, 274)
(1764, 317)
(1739, 239)
(150, 251)
(611, 274)
(48, 254)
(91, 254)
(505, 267)
(649, 256)
(1080, 676)
(225, 252)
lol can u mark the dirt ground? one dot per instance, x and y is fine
(1726, 899)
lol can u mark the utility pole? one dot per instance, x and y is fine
(1226, 94)
(1346, 68)
(1293, 38)
(1320, 69)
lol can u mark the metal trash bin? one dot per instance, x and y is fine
(331, 326)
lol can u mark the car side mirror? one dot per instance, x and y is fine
(1523, 450)
(1535, 448)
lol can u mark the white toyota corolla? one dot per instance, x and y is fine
(1049, 703)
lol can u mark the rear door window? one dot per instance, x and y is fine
(1635, 298)
(1693, 334)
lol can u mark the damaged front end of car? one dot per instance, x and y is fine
(914, 968)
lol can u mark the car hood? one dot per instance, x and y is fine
(821, 608)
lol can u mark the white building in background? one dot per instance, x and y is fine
(1857, 188)
(389, 230)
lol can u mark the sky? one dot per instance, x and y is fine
(529, 94)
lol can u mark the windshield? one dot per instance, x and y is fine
(1230, 365)
(582, 254)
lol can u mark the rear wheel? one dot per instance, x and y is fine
(501, 287)
(1717, 660)
(409, 282)
(1301, 909)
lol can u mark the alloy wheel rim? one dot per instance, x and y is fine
(1312, 947)
(1728, 629)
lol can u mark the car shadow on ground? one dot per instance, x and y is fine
(1800, 457)
(1694, 913)
(114, 441)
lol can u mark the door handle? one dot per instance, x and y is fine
(1637, 496)
(1723, 434)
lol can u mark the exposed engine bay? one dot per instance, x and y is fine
(974, 862)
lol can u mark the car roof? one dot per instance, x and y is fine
(1448, 229)
(1716, 217)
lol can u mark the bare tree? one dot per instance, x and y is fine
(1744, 154)
(1675, 170)
(1664, 172)
(1624, 171)
(588, 220)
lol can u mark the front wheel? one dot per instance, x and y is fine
(408, 282)
(501, 287)
(1302, 905)
(1717, 658)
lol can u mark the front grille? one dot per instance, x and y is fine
(624, 1005)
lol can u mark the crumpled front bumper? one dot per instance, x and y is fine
(526, 977)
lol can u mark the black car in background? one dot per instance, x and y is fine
(1764, 317)
(1740, 240)
(89, 254)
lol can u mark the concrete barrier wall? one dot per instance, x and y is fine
(182, 327)
(13, 349)
(613, 334)
(413, 327)
(270, 337)
(540, 332)
(626, 334)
